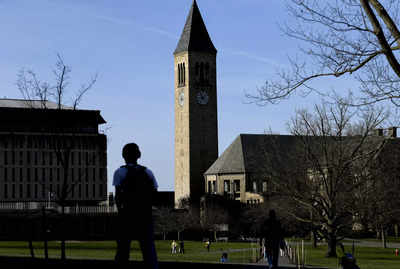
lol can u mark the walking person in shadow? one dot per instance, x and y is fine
(273, 235)
(135, 185)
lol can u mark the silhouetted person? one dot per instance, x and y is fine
(273, 234)
(182, 247)
(134, 186)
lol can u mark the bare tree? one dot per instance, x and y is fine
(319, 176)
(33, 89)
(164, 221)
(37, 94)
(357, 38)
(384, 199)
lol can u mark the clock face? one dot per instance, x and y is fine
(202, 98)
(181, 98)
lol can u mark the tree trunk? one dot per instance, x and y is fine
(30, 243)
(396, 230)
(44, 231)
(314, 238)
(31, 249)
(384, 242)
(332, 242)
(63, 256)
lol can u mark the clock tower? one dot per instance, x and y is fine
(196, 126)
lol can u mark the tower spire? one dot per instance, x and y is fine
(195, 36)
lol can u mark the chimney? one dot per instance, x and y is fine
(379, 132)
(392, 131)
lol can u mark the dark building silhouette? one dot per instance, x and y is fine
(42, 147)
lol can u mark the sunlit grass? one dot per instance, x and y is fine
(194, 251)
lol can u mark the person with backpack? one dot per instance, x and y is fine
(135, 186)
(273, 235)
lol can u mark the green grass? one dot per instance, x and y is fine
(367, 258)
(194, 251)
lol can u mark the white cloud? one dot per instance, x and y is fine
(151, 29)
(253, 56)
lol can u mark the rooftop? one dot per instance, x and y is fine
(195, 36)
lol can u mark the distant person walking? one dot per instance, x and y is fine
(207, 245)
(181, 247)
(273, 234)
(173, 247)
(135, 186)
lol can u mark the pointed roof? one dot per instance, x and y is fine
(249, 153)
(195, 36)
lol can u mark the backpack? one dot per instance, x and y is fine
(136, 191)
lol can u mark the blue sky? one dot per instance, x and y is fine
(130, 44)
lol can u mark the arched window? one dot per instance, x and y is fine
(197, 69)
(201, 72)
(184, 74)
(179, 74)
(207, 72)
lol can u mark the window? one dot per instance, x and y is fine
(5, 174)
(36, 191)
(21, 157)
(28, 190)
(227, 184)
(13, 191)
(5, 191)
(21, 191)
(181, 74)
(80, 191)
(209, 186)
(100, 189)
(254, 186)
(28, 157)
(94, 190)
(5, 157)
(28, 174)
(87, 191)
(264, 186)
(202, 72)
(237, 185)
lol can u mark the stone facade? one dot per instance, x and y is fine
(196, 127)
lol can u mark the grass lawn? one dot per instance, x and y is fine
(194, 251)
(367, 258)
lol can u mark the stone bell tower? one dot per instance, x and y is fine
(196, 125)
